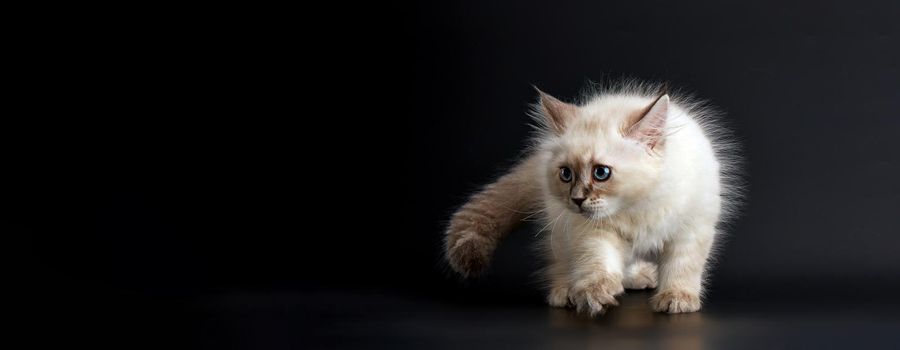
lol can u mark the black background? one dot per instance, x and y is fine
(241, 187)
(811, 90)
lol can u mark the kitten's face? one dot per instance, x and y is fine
(603, 161)
(596, 173)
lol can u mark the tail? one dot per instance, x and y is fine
(478, 226)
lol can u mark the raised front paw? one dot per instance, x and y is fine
(596, 293)
(470, 253)
(675, 301)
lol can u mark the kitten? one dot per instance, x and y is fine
(631, 186)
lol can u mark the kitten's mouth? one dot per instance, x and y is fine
(592, 214)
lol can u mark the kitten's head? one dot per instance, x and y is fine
(605, 155)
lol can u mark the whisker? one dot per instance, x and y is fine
(548, 224)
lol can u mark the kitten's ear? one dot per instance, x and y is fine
(556, 112)
(649, 127)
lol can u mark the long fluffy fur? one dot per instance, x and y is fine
(594, 272)
(725, 144)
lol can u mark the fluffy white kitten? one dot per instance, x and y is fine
(631, 185)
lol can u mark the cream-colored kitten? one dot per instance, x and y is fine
(631, 185)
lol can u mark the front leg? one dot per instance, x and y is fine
(597, 273)
(557, 277)
(681, 269)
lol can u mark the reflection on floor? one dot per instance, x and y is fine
(392, 321)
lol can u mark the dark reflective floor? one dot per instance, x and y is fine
(373, 319)
(504, 310)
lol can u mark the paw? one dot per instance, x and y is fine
(558, 297)
(675, 302)
(595, 295)
(641, 275)
(470, 254)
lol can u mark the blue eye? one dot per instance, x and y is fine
(565, 174)
(602, 173)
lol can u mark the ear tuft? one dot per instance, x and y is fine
(649, 129)
(556, 112)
